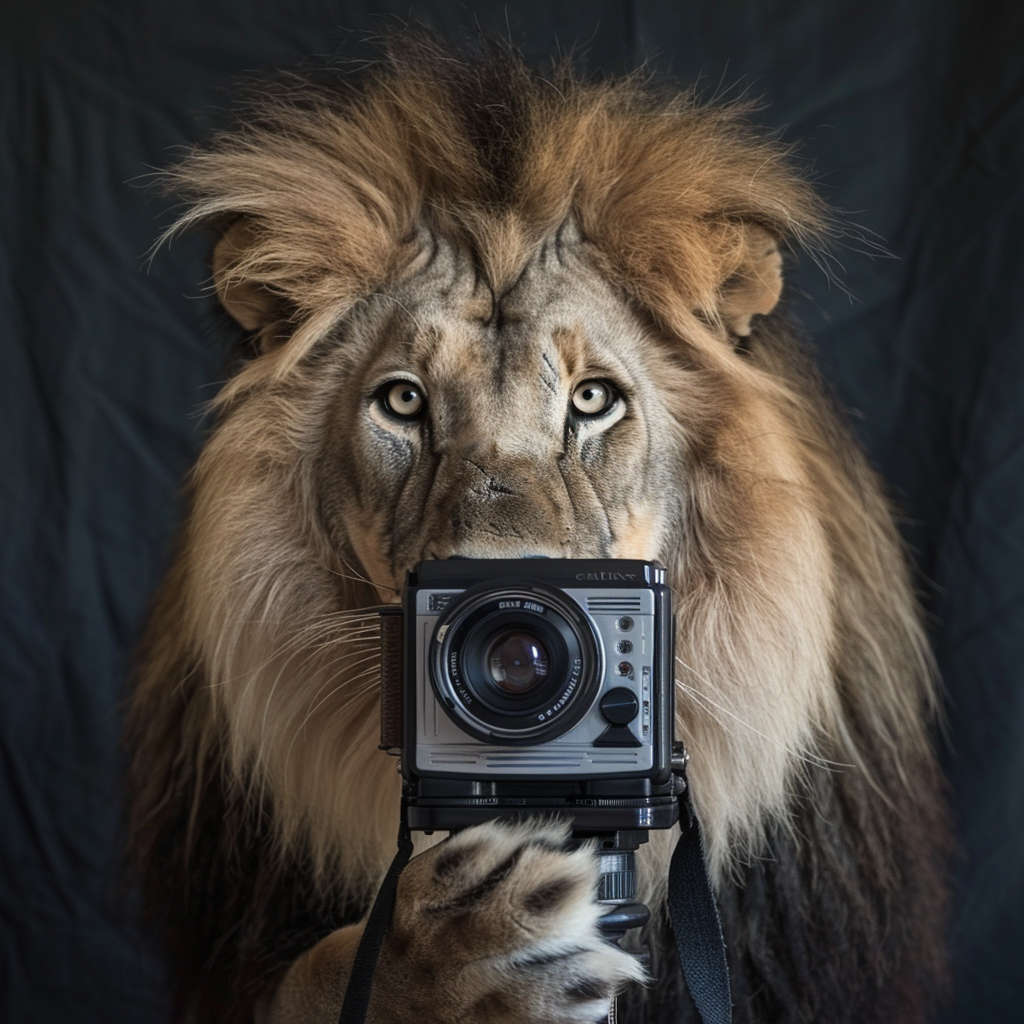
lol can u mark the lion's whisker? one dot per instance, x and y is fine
(327, 670)
(357, 577)
(359, 694)
(708, 703)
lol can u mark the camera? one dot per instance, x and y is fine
(526, 686)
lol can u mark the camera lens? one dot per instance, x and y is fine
(518, 662)
(515, 662)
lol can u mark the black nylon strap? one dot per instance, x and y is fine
(360, 982)
(695, 922)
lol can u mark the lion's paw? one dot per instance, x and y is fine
(500, 924)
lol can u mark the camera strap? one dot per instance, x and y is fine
(695, 922)
(360, 982)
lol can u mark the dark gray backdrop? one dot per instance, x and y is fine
(911, 118)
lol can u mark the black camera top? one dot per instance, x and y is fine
(558, 572)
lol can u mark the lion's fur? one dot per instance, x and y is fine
(802, 664)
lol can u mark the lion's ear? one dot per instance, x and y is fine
(756, 285)
(249, 303)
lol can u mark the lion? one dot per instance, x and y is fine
(499, 313)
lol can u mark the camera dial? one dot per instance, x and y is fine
(515, 663)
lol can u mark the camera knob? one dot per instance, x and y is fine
(619, 706)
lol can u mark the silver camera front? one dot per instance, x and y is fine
(523, 679)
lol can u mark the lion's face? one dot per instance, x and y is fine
(474, 425)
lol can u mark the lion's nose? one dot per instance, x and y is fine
(490, 506)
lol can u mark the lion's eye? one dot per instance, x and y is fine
(593, 397)
(402, 398)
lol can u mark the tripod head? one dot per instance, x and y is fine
(616, 855)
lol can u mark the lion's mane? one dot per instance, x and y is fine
(262, 815)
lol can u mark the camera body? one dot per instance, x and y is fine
(535, 686)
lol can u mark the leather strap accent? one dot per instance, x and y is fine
(391, 677)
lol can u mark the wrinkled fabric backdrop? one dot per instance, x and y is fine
(909, 115)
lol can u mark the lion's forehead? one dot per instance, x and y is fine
(560, 320)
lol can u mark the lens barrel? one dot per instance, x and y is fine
(515, 664)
